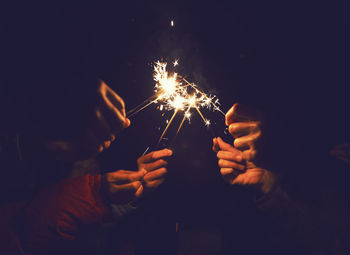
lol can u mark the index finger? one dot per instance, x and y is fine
(225, 146)
(241, 113)
(216, 146)
(238, 129)
(116, 100)
(155, 155)
(123, 177)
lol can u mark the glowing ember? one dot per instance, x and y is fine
(178, 102)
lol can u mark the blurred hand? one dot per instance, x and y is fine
(122, 186)
(236, 162)
(236, 171)
(107, 120)
(154, 165)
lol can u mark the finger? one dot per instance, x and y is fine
(241, 113)
(127, 123)
(230, 164)
(154, 165)
(112, 115)
(226, 171)
(154, 155)
(216, 146)
(247, 141)
(116, 100)
(249, 154)
(100, 127)
(229, 117)
(225, 146)
(238, 129)
(139, 192)
(154, 184)
(159, 173)
(229, 155)
(124, 177)
(129, 187)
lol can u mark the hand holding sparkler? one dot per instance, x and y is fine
(154, 165)
(237, 162)
(122, 186)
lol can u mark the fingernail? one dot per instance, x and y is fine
(239, 158)
(170, 152)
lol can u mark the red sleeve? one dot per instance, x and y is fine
(59, 214)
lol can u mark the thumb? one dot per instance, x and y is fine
(138, 175)
(225, 146)
(127, 123)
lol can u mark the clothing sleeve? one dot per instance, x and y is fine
(296, 225)
(57, 217)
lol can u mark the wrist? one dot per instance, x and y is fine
(268, 181)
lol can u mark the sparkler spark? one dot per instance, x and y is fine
(173, 95)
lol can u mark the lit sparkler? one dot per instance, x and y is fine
(173, 95)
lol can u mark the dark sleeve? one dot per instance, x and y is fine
(296, 225)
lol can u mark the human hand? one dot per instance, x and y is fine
(244, 124)
(154, 165)
(122, 186)
(237, 171)
(107, 120)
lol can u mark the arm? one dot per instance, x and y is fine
(55, 218)
(296, 225)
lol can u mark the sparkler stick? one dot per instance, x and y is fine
(139, 110)
(166, 128)
(180, 126)
(204, 119)
(206, 122)
(140, 107)
(203, 94)
(183, 120)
